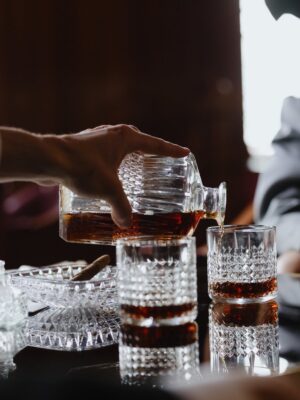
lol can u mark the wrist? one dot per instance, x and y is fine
(58, 157)
(32, 157)
(21, 154)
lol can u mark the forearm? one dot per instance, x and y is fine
(31, 157)
(86, 163)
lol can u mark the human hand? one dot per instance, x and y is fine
(289, 262)
(86, 162)
(90, 162)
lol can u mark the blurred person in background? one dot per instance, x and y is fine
(277, 197)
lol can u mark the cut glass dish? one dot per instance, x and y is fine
(52, 287)
(75, 329)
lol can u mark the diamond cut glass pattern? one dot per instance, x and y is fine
(52, 287)
(72, 329)
(147, 355)
(242, 263)
(244, 336)
(157, 281)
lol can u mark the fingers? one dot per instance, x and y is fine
(121, 209)
(92, 130)
(96, 128)
(134, 140)
(138, 141)
(289, 262)
(46, 182)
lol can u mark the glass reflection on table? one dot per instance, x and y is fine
(147, 355)
(244, 336)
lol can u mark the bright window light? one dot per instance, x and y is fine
(270, 72)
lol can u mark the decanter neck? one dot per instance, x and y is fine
(212, 201)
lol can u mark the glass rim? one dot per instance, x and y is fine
(161, 157)
(251, 228)
(140, 241)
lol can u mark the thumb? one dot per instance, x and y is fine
(121, 209)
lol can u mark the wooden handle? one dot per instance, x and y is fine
(92, 269)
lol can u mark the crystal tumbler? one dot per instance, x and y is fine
(157, 282)
(150, 356)
(241, 263)
(244, 336)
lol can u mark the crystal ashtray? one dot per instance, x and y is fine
(52, 287)
(72, 329)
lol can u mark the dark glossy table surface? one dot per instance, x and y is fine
(101, 365)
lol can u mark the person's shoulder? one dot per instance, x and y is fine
(291, 102)
(290, 120)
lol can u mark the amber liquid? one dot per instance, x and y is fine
(158, 313)
(92, 227)
(240, 290)
(254, 314)
(159, 336)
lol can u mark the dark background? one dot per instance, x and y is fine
(170, 67)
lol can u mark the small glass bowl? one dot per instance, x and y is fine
(52, 287)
